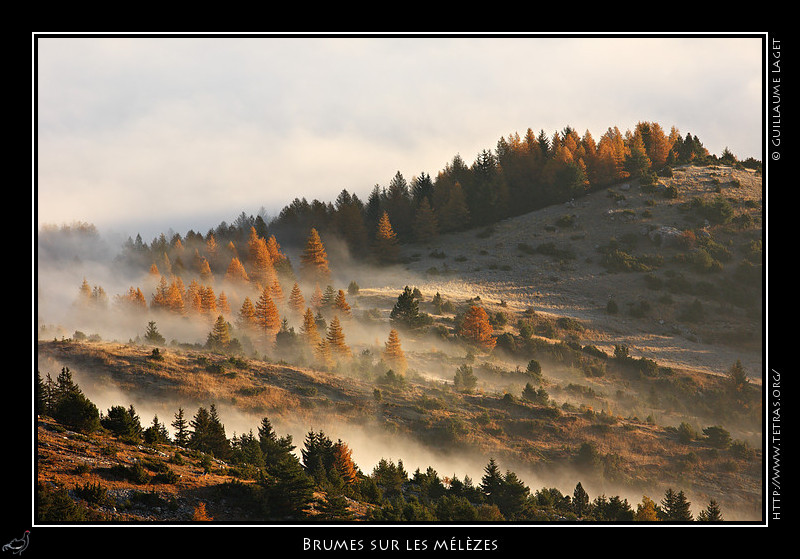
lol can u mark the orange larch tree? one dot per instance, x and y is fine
(222, 303)
(335, 339)
(262, 269)
(393, 353)
(276, 291)
(343, 462)
(296, 300)
(247, 316)
(236, 272)
(386, 248)
(477, 329)
(194, 299)
(267, 316)
(208, 300)
(314, 259)
(309, 329)
(341, 306)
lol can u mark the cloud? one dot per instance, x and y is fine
(169, 128)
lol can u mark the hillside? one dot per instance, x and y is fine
(502, 264)
(678, 258)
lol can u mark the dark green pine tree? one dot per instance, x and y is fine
(405, 312)
(513, 496)
(712, 513)
(492, 482)
(247, 450)
(217, 440)
(273, 448)
(335, 507)
(123, 424)
(287, 490)
(675, 507)
(181, 427)
(317, 454)
(580, 501)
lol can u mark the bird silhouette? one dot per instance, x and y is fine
(18, 545)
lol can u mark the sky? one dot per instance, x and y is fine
(154, 134)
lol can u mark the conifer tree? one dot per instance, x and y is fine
(273, 448)
(276, 291)
(464, 379)
(220, 336)
(675, 507)
(580, 501)
(316, 298)
(386, 247)
(314, 259)
(181, 429)
(85, 293)
(296, 301)
(236, 272)
(712, 513)
(266, 314)
(262, 269)
(222, 303)
(152, 335)
(335, 339)
(204, 270)
(405, 312)
(393, 353)
(309, 329)
(247, 316)
(343, 462)
(340, 304)
(208, 300)
(477, 329)
(426, 226)
(194, 300)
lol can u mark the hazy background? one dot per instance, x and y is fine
(146, 135)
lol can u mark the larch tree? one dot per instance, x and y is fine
(316, 298)
(336, 340)
(393, 353)
(309, 329)
(204, 270)
(247, 316)
(208, 300)
(236, 272)
(314, 259)
(267, 316)
(220, 336)
(477, 329)
(386, 247)
(222, 303)
(343, 462)
(296, 301)
(274, 250)
(341, 305)
(276, 291)
(194, 301)
(262, 269)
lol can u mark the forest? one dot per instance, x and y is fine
(285, 487)
(282, 290)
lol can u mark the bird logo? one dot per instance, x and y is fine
(18, 545)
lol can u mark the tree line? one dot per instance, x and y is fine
(285, 483)
(521, 174)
